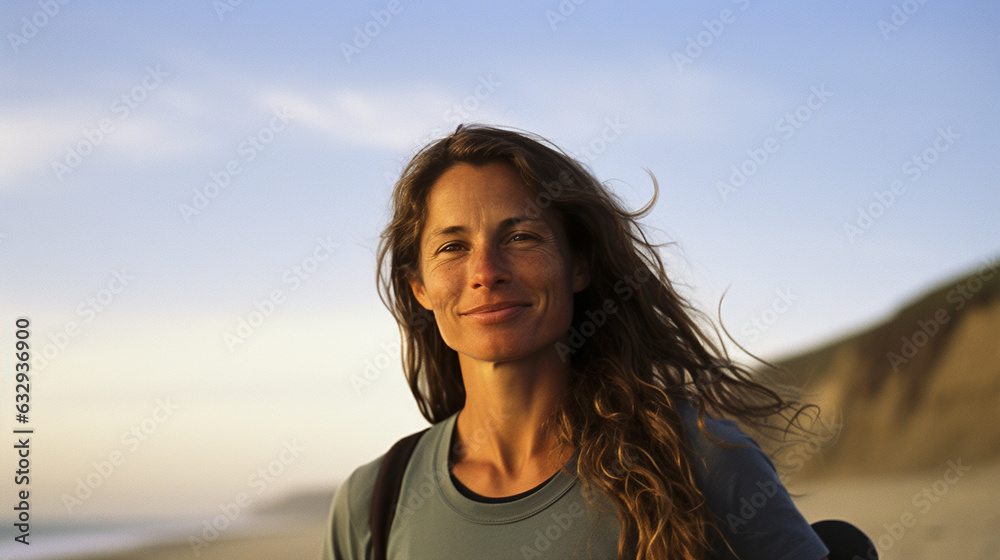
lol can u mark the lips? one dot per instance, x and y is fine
(491, 307)
(496, 312)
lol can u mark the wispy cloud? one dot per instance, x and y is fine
(697, 105)
(31, 136)
(379, 118)
(36, 136)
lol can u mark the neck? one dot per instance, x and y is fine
(506, 422)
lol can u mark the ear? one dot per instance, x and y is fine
(420, 293)
(581, 273)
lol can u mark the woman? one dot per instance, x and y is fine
(575, 403)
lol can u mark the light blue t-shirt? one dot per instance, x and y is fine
(435, 521)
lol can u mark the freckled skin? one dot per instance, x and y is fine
(493, 258)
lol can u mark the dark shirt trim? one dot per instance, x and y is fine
(464, 490)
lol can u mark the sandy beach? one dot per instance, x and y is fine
(948, 513)
(302, 542)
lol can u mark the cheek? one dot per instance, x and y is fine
(442, 286)
(550, 270)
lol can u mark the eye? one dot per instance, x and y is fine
(449, 247)
(523, 237)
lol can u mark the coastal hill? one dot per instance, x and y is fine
(916, 390)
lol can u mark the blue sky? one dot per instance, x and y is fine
(822, 108)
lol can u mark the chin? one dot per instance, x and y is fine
(503, 350)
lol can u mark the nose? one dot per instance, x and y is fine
(489, 268)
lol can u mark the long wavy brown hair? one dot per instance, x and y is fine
(627, 373)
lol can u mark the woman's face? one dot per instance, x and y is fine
(500, 282)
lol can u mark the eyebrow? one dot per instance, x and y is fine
(507, 223)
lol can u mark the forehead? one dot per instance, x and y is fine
(468, 197)
(494, 183)
(475, 195)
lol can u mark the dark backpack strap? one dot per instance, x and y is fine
(845, 541)
(386, 494)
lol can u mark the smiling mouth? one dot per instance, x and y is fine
(495, 312)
